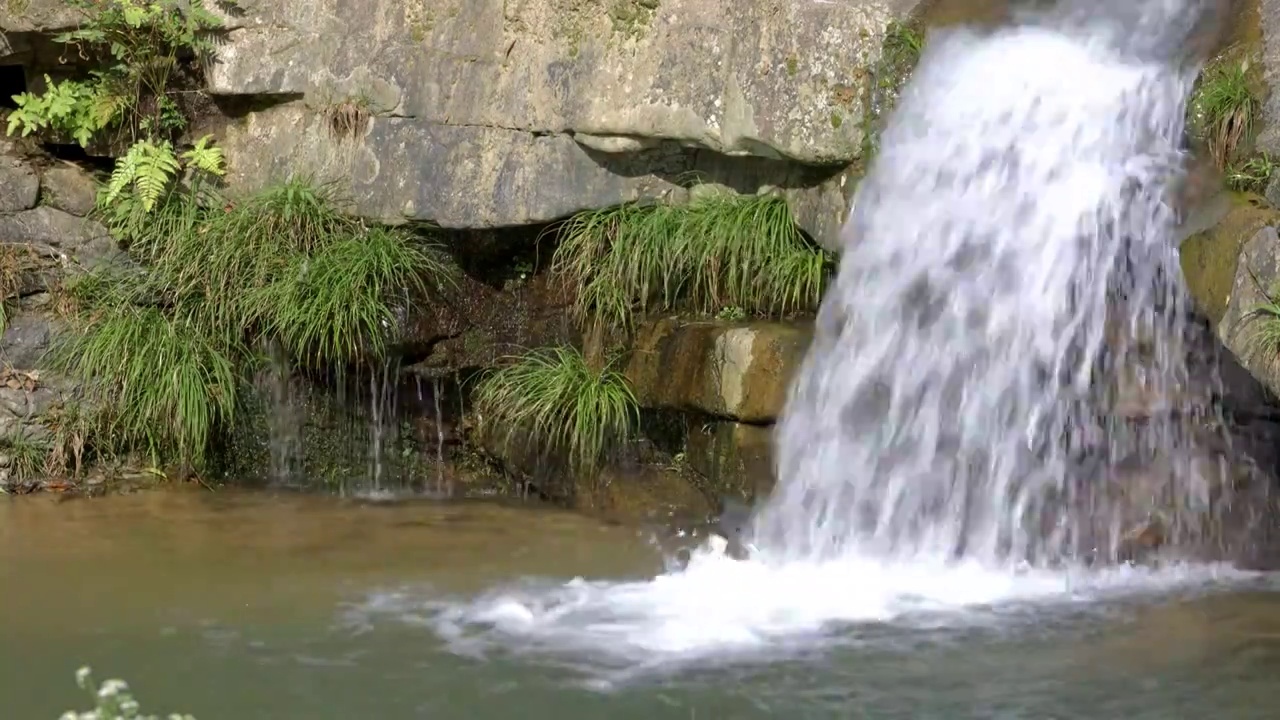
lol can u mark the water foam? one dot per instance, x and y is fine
(1020, 191)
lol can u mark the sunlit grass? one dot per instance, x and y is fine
(1224, 109)
(344, 302)
(554, 396)
(718, 251)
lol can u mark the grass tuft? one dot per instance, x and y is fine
(26, 457)
(553, 394)
(348, 118)
(720, 250)
(156, 382)
(343, 303)
(160, 349)
(1224, 108)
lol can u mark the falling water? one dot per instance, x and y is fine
(442, 489)
(951, 441)
(953, 401)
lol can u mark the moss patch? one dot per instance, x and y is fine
(1209, 258)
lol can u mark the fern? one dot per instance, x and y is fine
(147, 169)
(204, 157)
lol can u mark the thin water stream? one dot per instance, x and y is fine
(284, 607)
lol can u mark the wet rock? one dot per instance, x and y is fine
(735, 458)
(740, 371)
(1209, 258)
(1242, 328)
(69, 188)
(19, 185)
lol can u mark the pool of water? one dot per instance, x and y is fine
(259, 606)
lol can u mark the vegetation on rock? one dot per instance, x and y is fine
(561, 402)
(112, 700)
(720, 250)
(162, 352)
(130, 97)
(899, 55)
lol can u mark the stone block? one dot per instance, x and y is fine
(740, 371)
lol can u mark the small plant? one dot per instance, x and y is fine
(899, 54)
(1224, 108)
(554, 395)
(111, 701)
(1251, 175)
(721, 250)
(144, 41)
(348, 118)
(731, 314)
(630, 18)
(15, 261)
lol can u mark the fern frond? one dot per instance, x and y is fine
(157, 165)
(204, 157)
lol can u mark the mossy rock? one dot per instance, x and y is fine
(1209, 257)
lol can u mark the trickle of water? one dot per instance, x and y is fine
(442, 488)
(952, 403)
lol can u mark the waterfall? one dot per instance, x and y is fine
(954, 438)
(952, 403)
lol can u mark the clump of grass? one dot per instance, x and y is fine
(15, 261)
(26, 455)
(1252, 174)
(161, 350)
(720, 250)
(348, 118)
(336, 304)
(1224, 108)
(556, 397)
(156, 382)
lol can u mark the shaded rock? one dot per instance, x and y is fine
(78, 240)
(736, 459)
(740, 371)
(19, 185)
(69, 188)
(26, 340)
(1209, 257)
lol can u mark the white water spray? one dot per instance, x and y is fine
(935, 452)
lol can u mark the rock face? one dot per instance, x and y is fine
(739, 371)
(454, 110)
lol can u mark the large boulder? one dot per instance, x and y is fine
(738, 371)
(489, 113)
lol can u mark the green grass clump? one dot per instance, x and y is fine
(720, 250)
(338, 304)
(1224, 109)
(1251, 174)
(162, 350)
(156, 382)
(26, 455)
(561, 402)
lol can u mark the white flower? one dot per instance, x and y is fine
(83, 676)
(113, 687)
